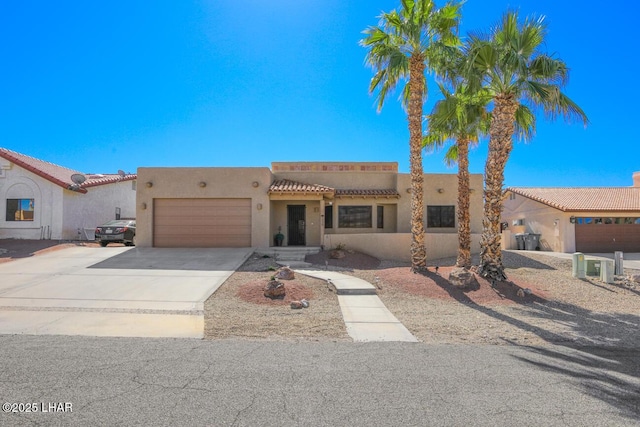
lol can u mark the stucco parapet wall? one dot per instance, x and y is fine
(334, 167)
(199, 181)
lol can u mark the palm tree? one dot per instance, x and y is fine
(509, 64)
(400, 48)
(460, 117)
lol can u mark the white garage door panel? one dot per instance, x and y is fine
(202, 223)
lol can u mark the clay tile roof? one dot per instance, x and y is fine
(60, 175)
(94, 180)
(368, 193)
(584, 199)
(288, 186)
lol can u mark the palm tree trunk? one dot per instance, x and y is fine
(464, 222)
(500, 144)
(416, 102)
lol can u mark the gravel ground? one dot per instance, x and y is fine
(557, 308)
(239, 309)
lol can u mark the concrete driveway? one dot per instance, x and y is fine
(113, 291)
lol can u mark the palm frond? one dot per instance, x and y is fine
(451, 156)
(525, 123)
(417, 29)
(531, 36)
(549, 69)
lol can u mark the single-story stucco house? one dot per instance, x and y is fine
(41, 200)
(364, 206)
(597, 219)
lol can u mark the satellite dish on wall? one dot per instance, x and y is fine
(121, 173)
(78, 178)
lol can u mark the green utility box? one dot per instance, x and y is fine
(593, 267)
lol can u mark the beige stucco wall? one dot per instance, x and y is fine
(97, 206)
(351, 176)
(447, 196)
(397, 246)
(390, 216)
(312, 218)
(391, 242)
(554, 226)
(557, 232)
(439, 189)
(220, 183)
(389, 221)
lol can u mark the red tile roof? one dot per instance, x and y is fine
(368, 193)
(584, 199)
(60, 175)
(93, 180)
(288, 186)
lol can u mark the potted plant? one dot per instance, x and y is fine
(278, 238)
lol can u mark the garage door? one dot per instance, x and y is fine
(607, 237)
(201, 223)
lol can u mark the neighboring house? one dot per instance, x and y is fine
(604, 219)
(40, 200)
(365, 206)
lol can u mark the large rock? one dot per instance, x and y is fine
(461, 277)
(285, 273)
(635, 278)
(337, 254)
(274, 289)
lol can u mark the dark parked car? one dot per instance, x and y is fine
(117, 231)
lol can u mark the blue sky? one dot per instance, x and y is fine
(99, 87)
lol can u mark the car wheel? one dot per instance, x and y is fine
(104, 244)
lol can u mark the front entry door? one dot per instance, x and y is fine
(296, 225)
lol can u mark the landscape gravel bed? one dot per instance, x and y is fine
(556, 307)
(239, 308)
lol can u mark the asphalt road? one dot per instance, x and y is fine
(176, 382)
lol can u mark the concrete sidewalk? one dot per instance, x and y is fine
(365, 315)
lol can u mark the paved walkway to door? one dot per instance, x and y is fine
(365, 315)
